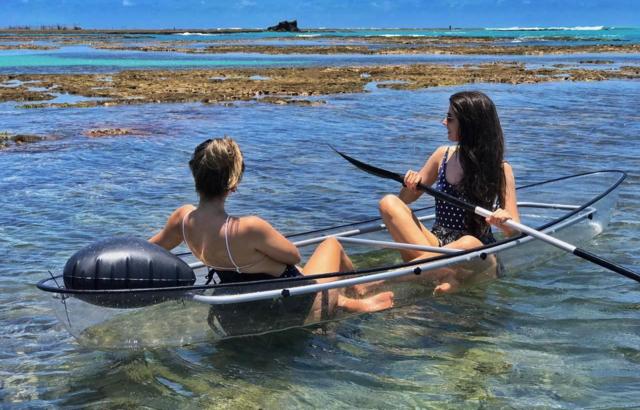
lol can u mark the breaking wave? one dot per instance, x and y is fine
(576, 28)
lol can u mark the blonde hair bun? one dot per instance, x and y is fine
(217, 166)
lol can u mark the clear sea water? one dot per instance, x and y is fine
(565, 334)
(85, 58)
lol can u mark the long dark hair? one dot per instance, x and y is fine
(481, 153)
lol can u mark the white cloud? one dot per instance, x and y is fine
(384, 5)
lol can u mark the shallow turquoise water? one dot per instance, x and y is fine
(564, 334)
(84, 58)
(123, 60)
(87, 60)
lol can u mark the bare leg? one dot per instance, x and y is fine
(448, 280)
(331, 257)
(404, 227)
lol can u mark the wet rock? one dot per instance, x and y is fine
(25, 46)
(596, 62)
(8, 140)
(289, 26)
(182, 86)
(108, 132)
(22, 93)
(26, 139)
(290, 101)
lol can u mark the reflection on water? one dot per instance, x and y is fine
(562, 334)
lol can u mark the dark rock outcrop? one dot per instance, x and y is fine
(107, 132)
(13, 140)
(285, 26)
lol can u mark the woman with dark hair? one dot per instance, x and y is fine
(248, 248)
(473, 170)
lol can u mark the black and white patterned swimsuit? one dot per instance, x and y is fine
(450, 222)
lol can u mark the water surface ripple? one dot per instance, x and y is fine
(562, 335)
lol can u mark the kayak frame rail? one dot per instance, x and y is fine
(398, 245)
(376, 226)
(385, 275)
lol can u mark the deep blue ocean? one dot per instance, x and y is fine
(565, 334)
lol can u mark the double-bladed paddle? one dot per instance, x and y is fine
(383, 173)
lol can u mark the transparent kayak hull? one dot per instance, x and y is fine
(573, 209)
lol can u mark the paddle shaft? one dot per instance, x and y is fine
(581, 253)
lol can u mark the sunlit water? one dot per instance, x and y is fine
(81, 59)
(564, 334)
(77, 53)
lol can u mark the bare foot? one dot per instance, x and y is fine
(364, 288)
(375, 303)
(446, 287)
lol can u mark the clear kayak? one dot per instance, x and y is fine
(573, 209)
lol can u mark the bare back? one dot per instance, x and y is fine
(231, 243)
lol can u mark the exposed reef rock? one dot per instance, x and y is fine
(25, 46)
(596, 62)
(282, 84)
(285, 26)
(108, 132)
(290, 101)
(8, 140)
(379, 46)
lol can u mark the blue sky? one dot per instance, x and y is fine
(320, 13)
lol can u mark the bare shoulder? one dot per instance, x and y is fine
(178, 215)
(172, 234)
(253, 225)
(438, 154)
(508, 169)
(183, 211)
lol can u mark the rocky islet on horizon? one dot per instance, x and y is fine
(289, 26)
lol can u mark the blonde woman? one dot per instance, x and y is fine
(247, 248)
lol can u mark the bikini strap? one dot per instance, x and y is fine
(226, 241)
(184, 234)
(443, 165)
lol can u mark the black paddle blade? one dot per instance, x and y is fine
(383, 173)
(379, 172)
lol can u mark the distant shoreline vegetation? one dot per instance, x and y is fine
(76, 29)
(55, 27)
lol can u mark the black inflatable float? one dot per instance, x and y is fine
(125, 263)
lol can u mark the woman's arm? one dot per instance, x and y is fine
(171, 235)
(510, 210)
(266, 239)
(426, 176)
